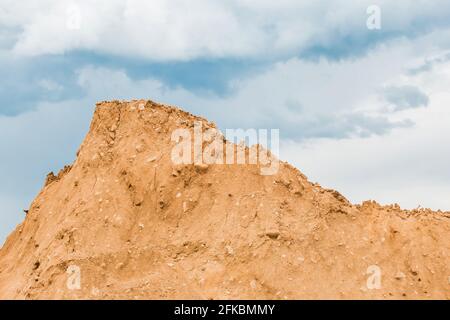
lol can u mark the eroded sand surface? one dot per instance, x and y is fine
(137, 226)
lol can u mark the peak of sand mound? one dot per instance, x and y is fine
(124, 221)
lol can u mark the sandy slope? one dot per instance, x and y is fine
(138, 226)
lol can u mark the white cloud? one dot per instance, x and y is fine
(50, 85)
(182, 30)
(305, 99)
(407, 166)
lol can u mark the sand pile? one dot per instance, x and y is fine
(125, 222)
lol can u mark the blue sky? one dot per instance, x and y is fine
(359, 110)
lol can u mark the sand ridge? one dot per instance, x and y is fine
(135, 226)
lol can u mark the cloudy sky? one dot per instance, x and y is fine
(362, 110)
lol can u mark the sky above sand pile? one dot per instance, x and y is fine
(362, 111)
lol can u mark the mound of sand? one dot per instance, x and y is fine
(125, 222)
